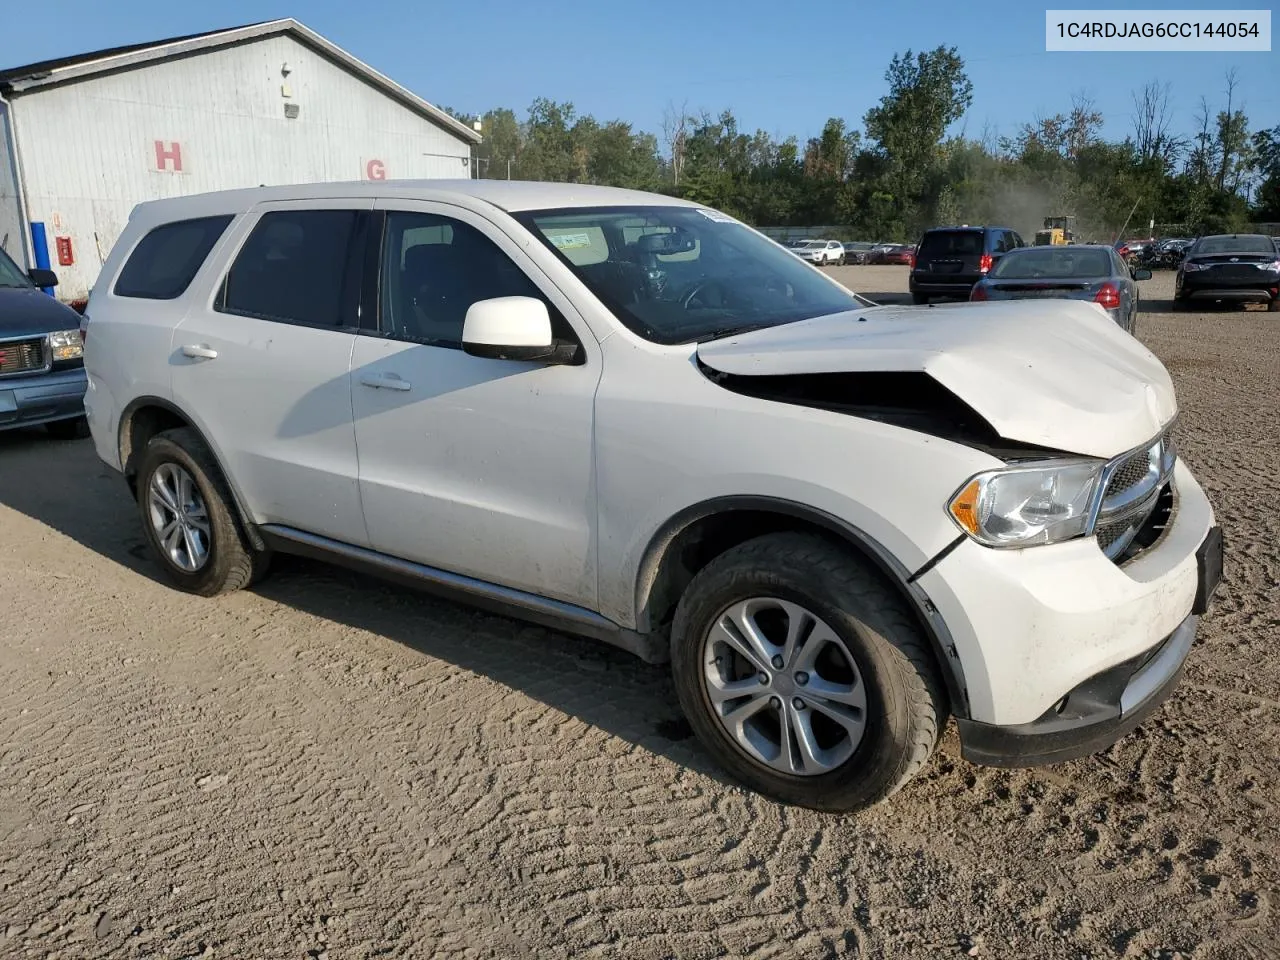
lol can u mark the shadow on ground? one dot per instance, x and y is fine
(64, 486)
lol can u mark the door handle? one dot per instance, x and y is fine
(199, 352)
(385, 381)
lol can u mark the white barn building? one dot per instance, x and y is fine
(83, 139)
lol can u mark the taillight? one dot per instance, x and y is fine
(984, 263)
(911, 260)
(979, 292)
(1108, 297)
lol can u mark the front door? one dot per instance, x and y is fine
(476, 466)
(263, 364)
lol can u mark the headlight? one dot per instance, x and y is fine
(1025, 506)
(66, 345)
(1192, 267)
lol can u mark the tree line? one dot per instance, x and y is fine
(900, 171)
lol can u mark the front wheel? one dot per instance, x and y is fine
(803, 673)
(919, 299)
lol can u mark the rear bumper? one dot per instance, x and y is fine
(1095, 715)
(42, 398)
(958, 286)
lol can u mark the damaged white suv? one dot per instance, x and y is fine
(637, 419)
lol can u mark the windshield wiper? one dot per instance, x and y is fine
(730, 331)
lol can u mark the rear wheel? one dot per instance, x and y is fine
(919, 298)
(188, 517)
(803, 673)
(1273, 306)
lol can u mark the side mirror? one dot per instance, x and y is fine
(43, 278)
(508, 328)
(1142, 274)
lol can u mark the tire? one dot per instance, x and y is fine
(76, 429)
(919, 299)
(905, 704)
(1180, 304)
(1273, 306)
(229, 563)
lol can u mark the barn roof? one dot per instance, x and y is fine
(50, 72)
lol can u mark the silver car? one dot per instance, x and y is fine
(1072, 272)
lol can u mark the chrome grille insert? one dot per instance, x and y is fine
(1131, 487)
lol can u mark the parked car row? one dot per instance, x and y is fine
(835, 253)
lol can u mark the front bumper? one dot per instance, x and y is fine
(1091, 717)
(1264, 289)
(41, 398)
(1031, 627)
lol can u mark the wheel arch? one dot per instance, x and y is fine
(699, 533)
(142, 419)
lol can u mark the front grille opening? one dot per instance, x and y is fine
(21, 356)
(1149, 533)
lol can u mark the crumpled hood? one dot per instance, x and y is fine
(1055, 373)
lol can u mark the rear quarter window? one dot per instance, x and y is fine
(166, 260)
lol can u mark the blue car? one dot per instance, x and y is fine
(42, 377)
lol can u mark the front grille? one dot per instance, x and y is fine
(1129, 474)
(1137, 494)
(21, 356)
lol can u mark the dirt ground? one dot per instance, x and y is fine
(329, 767)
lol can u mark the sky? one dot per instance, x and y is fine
(783, 72)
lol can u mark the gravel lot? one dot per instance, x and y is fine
(331, 767)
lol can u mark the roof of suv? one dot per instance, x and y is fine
(975, 229)
(509, 195)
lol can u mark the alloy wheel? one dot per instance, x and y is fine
(179, 517)
(784, 686)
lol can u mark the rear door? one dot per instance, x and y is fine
(951, 254)
(262, 361)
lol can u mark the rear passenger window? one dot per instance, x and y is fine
(163, 264)
(296, 267)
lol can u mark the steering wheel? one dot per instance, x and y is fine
(699, 287)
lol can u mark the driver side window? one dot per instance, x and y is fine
(434, 268)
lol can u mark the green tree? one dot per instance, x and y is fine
(928, 92)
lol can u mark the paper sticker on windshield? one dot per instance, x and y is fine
(570, 241)
(716, 215)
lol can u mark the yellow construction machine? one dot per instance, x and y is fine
(1057, 231)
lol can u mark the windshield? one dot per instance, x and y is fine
(1029, 264)
(1249, 244)
(814, 243)
(10, 274)
(680, 274)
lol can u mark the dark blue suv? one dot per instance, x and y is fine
(950, 260)
(42, 377)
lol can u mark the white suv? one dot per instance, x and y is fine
(637, 419)
(821, 252)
